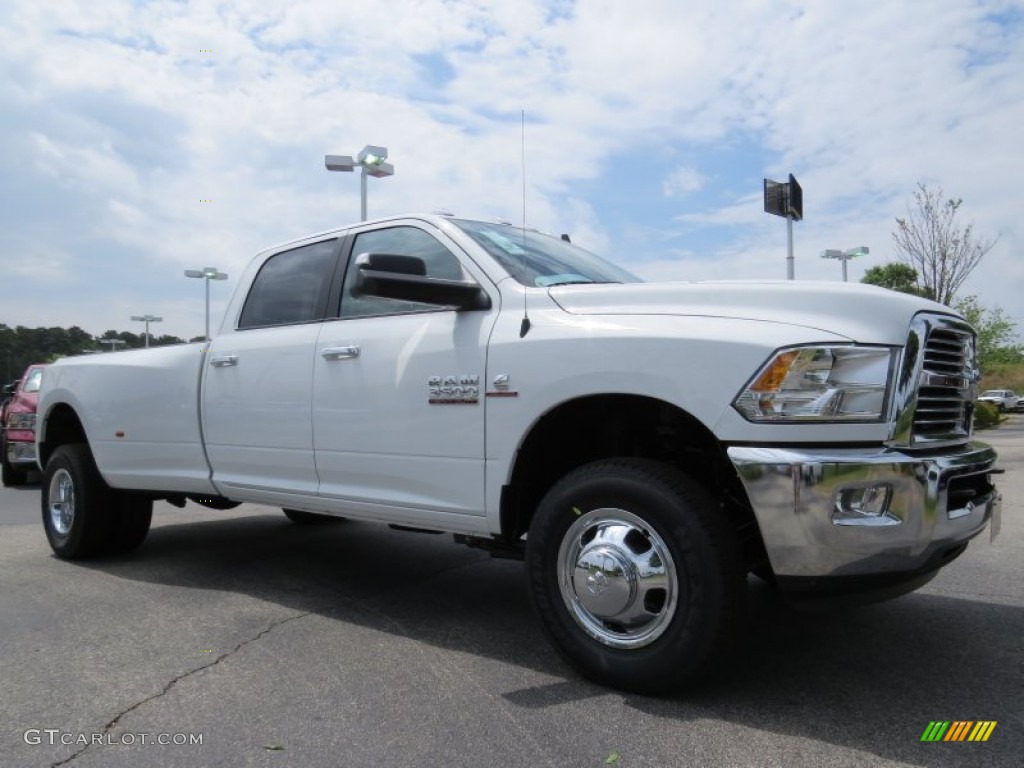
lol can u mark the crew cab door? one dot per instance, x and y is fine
(398, 393)
(258, 382)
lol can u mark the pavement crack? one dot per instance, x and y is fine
(184, 676)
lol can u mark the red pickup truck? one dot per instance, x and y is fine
(18, 427)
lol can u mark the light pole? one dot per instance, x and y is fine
(371, 163)
(207, 274)
(845, 256)
(147, 319)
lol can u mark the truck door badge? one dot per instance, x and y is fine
(502, 387)
(463, 389)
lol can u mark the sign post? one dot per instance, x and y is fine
(785, 199)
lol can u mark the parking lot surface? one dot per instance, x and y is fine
(355, 645)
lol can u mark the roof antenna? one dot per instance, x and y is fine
(525, 327)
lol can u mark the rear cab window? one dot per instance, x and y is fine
(291, 287)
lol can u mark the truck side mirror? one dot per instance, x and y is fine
(395, 276)
(392, 262)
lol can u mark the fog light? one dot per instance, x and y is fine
(864, 506)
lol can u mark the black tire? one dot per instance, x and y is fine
(603, 522)
(8, 473)
(82, 516)
(766, 574)
(131, 517)
(310, 518)
(1002, 407)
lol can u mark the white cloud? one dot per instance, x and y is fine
(120, 111)
(682, 181)
(40, 264)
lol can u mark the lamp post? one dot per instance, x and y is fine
(371, 163)
(845, 256)
(147, 319)
(207, 274)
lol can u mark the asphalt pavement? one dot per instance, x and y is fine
(354, 645)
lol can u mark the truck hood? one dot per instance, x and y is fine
(863, 313)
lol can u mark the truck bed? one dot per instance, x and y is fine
(140, 411)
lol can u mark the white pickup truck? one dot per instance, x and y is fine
(642, 446)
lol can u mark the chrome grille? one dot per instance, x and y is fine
(936, 382)
(944, 399)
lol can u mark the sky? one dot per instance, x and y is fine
(139, 139)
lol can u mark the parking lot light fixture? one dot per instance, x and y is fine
(845, 256)
(339, 163)
(207, 274)
(147, 319)
(371, 161)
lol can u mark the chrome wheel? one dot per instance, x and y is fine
(617, 578)
(61, 502)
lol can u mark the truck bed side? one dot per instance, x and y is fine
(140, 413)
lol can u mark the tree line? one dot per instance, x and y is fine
(936, 253)
(20, 347)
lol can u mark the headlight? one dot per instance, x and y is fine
(820, 384)
(21, 420)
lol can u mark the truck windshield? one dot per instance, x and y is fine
(33, 381)
(536, 259)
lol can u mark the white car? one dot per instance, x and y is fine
(1004, 399)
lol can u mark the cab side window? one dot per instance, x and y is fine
(403, 241)
(291, 287)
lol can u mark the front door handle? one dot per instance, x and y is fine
(340, 353)
(223, 361)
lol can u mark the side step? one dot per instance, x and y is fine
(410, 529)
(496, 547)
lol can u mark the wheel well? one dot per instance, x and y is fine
(608, 426)
(62, 426)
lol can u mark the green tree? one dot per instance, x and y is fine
(895, 276)
(21, 346)
(165, 339)
(932, 241)
(997, 336)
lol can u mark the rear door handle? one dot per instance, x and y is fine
(340, 353)
(223, 361)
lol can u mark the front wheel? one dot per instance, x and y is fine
(635, 573)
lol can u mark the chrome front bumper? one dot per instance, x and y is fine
(867, 512)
